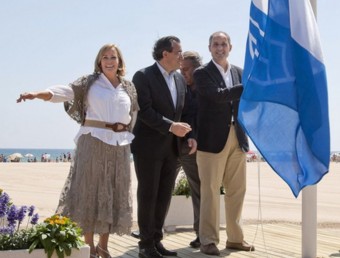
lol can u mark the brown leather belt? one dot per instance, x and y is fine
(116, 127)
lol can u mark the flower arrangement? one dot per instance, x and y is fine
(56, 233)
(12, 237)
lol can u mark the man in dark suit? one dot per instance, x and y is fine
(222, 144)
(161, 93)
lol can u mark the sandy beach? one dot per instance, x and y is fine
(39, 184)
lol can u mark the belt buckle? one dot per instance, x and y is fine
(119, 127)
(116, 127)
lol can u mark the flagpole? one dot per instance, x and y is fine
(309, 221)
(309, 208)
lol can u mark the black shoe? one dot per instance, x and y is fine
(135, 234)
(161, 249)
(195, 243)
(149, 253)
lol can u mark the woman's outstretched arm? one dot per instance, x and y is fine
(44, 95)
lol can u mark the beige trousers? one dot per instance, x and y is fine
(227, 168)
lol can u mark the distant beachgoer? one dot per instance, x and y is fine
(97, 192)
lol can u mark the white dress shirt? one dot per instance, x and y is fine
(226, 75)
(104, 103)
(170, 81)
(227, 79)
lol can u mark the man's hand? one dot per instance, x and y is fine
(193, 145)
(180, 129)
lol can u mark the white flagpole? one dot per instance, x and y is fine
(309, 208)
(309, 221)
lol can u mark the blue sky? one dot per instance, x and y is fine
(54, 42)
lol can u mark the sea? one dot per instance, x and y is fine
(55, 155)
(29, 154)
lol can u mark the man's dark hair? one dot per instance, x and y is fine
(219, 32)
(163, 44)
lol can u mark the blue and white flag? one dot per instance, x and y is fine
(284, 106)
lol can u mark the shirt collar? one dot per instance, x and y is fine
(104, 81)
(221, 69)
(163, 71)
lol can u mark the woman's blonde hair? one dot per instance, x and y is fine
(121, 66)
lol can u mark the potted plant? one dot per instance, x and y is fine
(182, 186)
(180, 212)
(57, 236)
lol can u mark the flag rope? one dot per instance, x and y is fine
(259, 213)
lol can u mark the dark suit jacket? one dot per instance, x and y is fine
(216, 106)
(189, 115)
(157, 112)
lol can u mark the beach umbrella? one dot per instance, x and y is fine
(14, 156)
(29, 155)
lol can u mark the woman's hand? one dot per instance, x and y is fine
(26, 95)
(44, 95)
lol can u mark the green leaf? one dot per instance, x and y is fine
(68, 251)
(60, 252)
(49, 252)
(33, 245)
(43, 236)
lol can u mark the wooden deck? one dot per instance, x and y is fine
(271, 240)
(275, 237)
